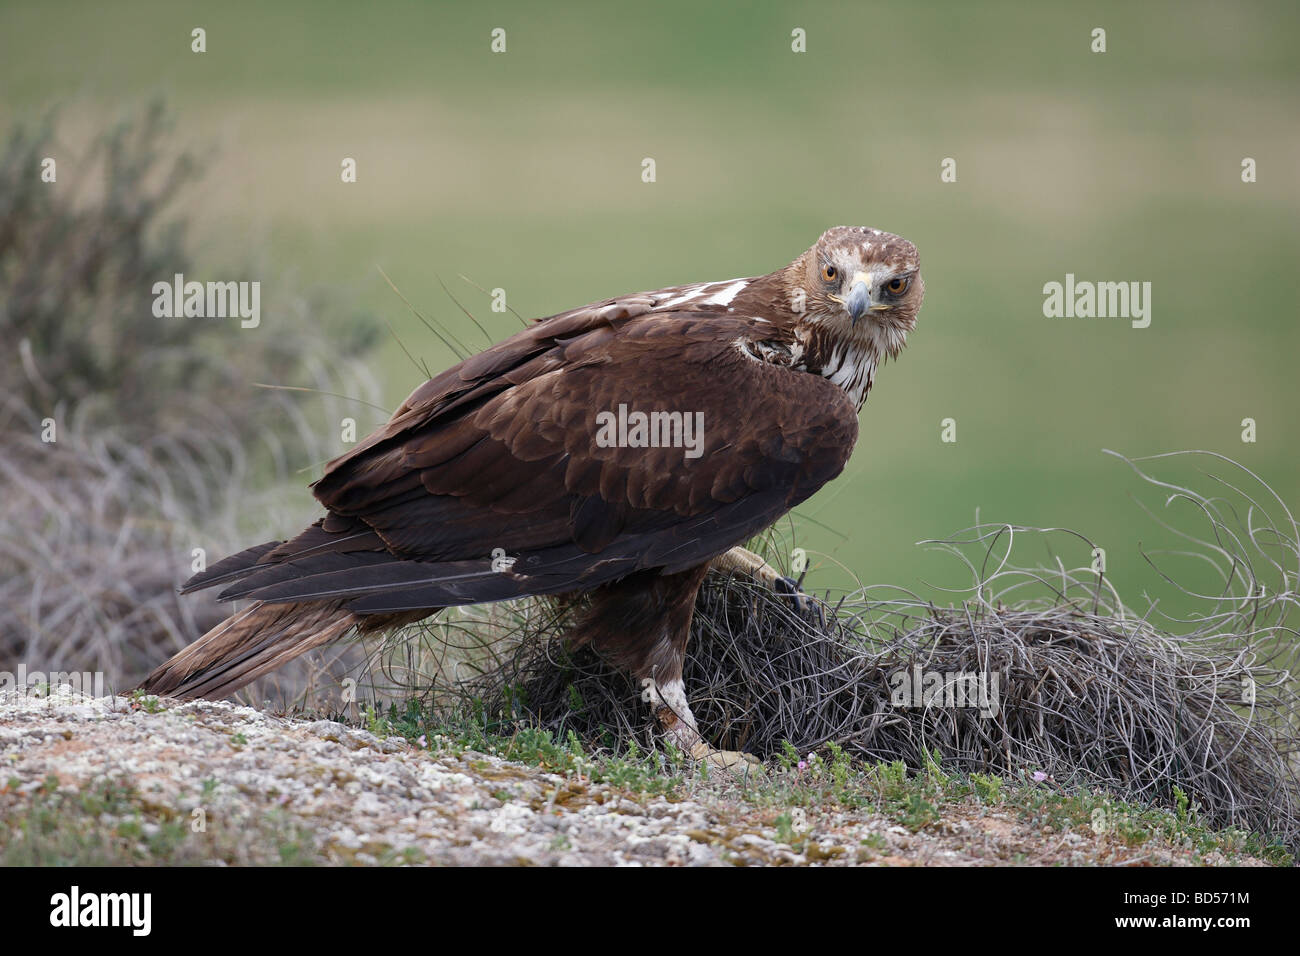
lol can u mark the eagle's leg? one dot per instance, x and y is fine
(660, 675)
(673, 714)
(615, 625)
(743, 561)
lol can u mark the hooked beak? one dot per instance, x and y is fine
(858, 300)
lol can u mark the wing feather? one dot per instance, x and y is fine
(501, 452)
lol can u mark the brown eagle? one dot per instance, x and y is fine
(617, 450)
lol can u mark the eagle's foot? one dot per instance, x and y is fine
(677, 723)
(728, 761)
(743, 561)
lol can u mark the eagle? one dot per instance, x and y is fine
(618, 450)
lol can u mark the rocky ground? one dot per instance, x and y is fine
(121, 780)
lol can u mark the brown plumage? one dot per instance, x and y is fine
(513, 453)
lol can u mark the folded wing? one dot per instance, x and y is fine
(495, 478)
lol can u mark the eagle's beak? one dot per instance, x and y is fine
(859, 297)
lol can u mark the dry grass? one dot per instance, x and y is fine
(161, 443)
(1089, 692)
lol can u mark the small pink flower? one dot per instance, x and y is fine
(421, 742)
(1039, 776)
(803, 765)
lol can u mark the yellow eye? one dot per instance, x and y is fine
(896, 286)
(829, 273)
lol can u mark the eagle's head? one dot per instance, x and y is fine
(859, 289)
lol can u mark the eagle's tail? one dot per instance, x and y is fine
(276, 628)
(246, 645)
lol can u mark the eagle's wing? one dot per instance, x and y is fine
(500, 454)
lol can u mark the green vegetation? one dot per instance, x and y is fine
(828, 779)
(113, 823)
(522, 171)
(110, 823)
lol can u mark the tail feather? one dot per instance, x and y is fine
(270, 633)
(247, 645)
(331, 535)
(231, 568)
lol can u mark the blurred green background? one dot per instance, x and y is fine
(522, 170)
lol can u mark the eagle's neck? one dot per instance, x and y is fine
(846, 361)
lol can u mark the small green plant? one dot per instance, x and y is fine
(788, 757)
(841, 766)
(875, 841)
(987, 788)
(918, 812)
(146, 702)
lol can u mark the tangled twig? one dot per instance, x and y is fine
(1087, 690)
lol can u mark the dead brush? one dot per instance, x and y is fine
(1088, 691)
(130, 440)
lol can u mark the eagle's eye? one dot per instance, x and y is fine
(829, 273)
(896, 286)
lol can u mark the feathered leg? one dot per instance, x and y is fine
(616, 625)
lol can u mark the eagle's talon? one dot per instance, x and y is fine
(742, 561)
(789, 587)
(804, 604)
